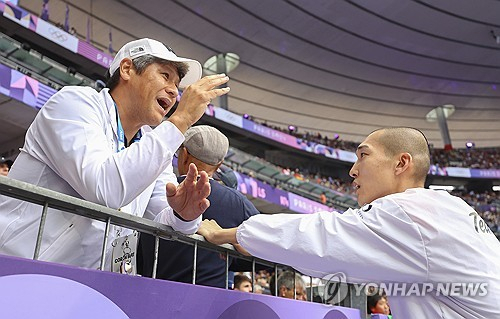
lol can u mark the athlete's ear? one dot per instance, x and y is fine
(403, 164)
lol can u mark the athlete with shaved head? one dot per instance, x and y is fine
(435, 252)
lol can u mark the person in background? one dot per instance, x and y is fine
(258, 289)
(100, 147)
(5, 165)
(377, 303)
(403, 233)
(242, 283)
(290, 285)
(322, 198)
(206, 147)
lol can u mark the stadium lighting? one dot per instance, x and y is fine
(496, 188)
(448, 110)
(231, 61)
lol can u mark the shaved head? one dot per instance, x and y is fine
(396, 140)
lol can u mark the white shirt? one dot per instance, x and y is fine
(72, 147)
(418, 236)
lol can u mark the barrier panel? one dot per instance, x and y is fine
(32, 288)
(35, 289)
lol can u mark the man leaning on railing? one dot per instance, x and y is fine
(99, 146)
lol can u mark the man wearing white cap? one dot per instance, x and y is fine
(99, 146)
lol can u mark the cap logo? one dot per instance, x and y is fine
(137, 50)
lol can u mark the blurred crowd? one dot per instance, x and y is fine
(485, 158)
(292, 285)
(486, 204)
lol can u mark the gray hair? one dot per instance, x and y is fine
(288, 279)
(140, 64)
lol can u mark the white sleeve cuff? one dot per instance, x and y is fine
(167, 217)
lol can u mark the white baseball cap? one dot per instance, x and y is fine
(155, 48)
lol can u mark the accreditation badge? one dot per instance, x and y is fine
(124, 254)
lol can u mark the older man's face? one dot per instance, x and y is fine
(300, 292)
(155, 93)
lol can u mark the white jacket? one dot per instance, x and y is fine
(72, 147)
(419, 236)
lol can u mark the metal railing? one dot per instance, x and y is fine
(50, 199)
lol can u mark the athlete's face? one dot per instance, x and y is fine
(373, 171)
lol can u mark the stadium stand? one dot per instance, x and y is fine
(21, 57)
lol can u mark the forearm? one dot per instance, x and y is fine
(180, 122)
(224, 236)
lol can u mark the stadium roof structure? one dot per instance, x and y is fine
(334, 67)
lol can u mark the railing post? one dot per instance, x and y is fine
(294, 285)
(105, 244)
(253, 274)
(357, 301)
(276, 279)
(194, 261)
(310, 288)
(40, 231)
(227, 270)
(155, 260)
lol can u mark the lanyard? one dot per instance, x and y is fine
(122, 141)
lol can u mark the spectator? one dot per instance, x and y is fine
(5, 165)
(99, 146)
(322, 198)
(376, 303)
(242, 283)
(401, 233)
(258, 289)
(205, 147)
(289, 284)
(226, 176)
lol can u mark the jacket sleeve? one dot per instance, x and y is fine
(366, 244)
(69, 135)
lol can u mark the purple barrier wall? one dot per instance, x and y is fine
(255, 188)
(34, 289)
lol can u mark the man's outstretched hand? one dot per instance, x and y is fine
(189, 199)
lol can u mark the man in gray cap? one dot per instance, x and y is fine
(206, 147)
(99, 146)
